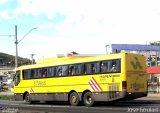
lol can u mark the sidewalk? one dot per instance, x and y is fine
(156, 95)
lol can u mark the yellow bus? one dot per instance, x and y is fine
(83, 79)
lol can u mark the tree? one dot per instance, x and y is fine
(156, 43)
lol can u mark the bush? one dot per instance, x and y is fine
(6, 97)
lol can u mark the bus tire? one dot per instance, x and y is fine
(27, 98)
(88, 99)
(74, 99)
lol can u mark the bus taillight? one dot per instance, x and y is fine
(124, 84)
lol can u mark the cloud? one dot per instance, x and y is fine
(71, 8)
(36, 7)
(2, 2)
(86, 26)
(5, 14)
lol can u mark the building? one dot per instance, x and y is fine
(152, 54)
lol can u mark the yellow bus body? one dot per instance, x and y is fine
(129, 83)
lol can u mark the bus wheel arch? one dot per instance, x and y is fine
(88, 98)
(73, 98)
(27, 98)
(24, 94)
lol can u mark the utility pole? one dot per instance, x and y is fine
(16, 43)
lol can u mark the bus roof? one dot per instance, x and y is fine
(55, 61)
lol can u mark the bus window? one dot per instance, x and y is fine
(104, 66)
(71, 70)
(17, 78)
(64, 70)
(118, 62)
(114, 66)
(77, 69)
(59, 71)
(44, 72)
(92, 68)
(33, 73)
(51, 72)
(87, 68)
(96, 67)
(26, 74)
(38, 73)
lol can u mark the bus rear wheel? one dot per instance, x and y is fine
(74, 99)
(88, 99)
(27, 98)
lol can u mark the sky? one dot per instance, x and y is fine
(83, 26)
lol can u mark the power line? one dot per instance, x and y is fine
(6, 35)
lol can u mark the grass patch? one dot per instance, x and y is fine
(6, 97)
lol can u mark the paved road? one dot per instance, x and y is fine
(139, 106)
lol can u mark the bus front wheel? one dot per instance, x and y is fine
(28, 98)
(74, 99)
(88, 99)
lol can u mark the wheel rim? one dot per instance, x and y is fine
(88, 100)
(74, 99)
(27, 98)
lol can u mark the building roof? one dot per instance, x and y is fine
(135, 47)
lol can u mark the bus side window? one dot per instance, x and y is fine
(86, 69)
(59, 71)
(26, 74)
(39, 73)
(32, 73)
(118, 65)
(80, 68)
(71, 70)
(92, 68)
(113, 68)
(97, 67)
(51, 72)
(104, 66)
(83, 69)
(114, 65)
(77, 69)
(35, 73)
(44, 72)
(64, 70)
